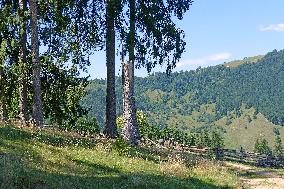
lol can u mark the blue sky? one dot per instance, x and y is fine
(219, 31)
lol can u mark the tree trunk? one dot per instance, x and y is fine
(132, 45)
(110, 127)
(130, 131)
(3, 106)
(3, 112)
(22, 63)
(37, 104)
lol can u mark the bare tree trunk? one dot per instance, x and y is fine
(110, 127)
(37, 104)
(22, 63)
(130, 131)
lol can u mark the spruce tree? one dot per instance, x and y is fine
(278, 148)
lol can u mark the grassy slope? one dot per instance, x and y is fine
(237, 63)
(240, 132)
(31, 158)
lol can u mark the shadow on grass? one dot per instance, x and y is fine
(96, 168)
(54, 139)
(102, 177)
(61, 140)
(18, 171)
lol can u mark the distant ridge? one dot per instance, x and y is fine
(249, 60)
(239, 98)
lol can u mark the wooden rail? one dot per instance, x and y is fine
(227, 154)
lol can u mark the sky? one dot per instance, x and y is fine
(219, 31)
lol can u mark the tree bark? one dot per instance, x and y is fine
(22, 63)
(110, 127)
(130, 131)
(3, 112)
(3, 105)
(37, 104)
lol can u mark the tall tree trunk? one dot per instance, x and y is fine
(3, 111)
(3, 106)
(22, 63)
(110, 127)
(37, 104)
(130, 129)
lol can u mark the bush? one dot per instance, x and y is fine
(262, 147)
(217, 140)
(84, 125)
(121, 146)
(146, 130)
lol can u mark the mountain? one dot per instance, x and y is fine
(241, 98)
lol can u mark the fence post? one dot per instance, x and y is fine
(219, 154)
(242, 154)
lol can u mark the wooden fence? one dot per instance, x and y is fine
(225, 154)
(238, 156)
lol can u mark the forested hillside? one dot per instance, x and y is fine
(213, 96)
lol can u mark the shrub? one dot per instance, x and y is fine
(84, 125)
(262, 147)
(146, 130)
(121, 146)
(278, 148)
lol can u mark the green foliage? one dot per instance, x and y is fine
(121, 146)
(158, 40)
(84, 125)
(278, 148)
(216, 140)
(261, 146)
(200, 139)
(147, 130)
(62, 93)
(204, 140)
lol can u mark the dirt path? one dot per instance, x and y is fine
(258, 178)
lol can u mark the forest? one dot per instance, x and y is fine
(253, 84)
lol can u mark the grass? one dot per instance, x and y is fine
(241, 132)
(33, 158)
(250, 60)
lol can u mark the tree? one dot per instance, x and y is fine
(37, 103)
(278, 148)
(262, 147)
(217, 143)
(130, 130)
(3, 103)
(110, 127)
(71, 31)
(216, 140)
(22, 62)
(159, 34)
(8, 55)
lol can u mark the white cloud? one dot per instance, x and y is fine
(205, 61)
(273, 27)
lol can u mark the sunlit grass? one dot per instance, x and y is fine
(32, 158)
